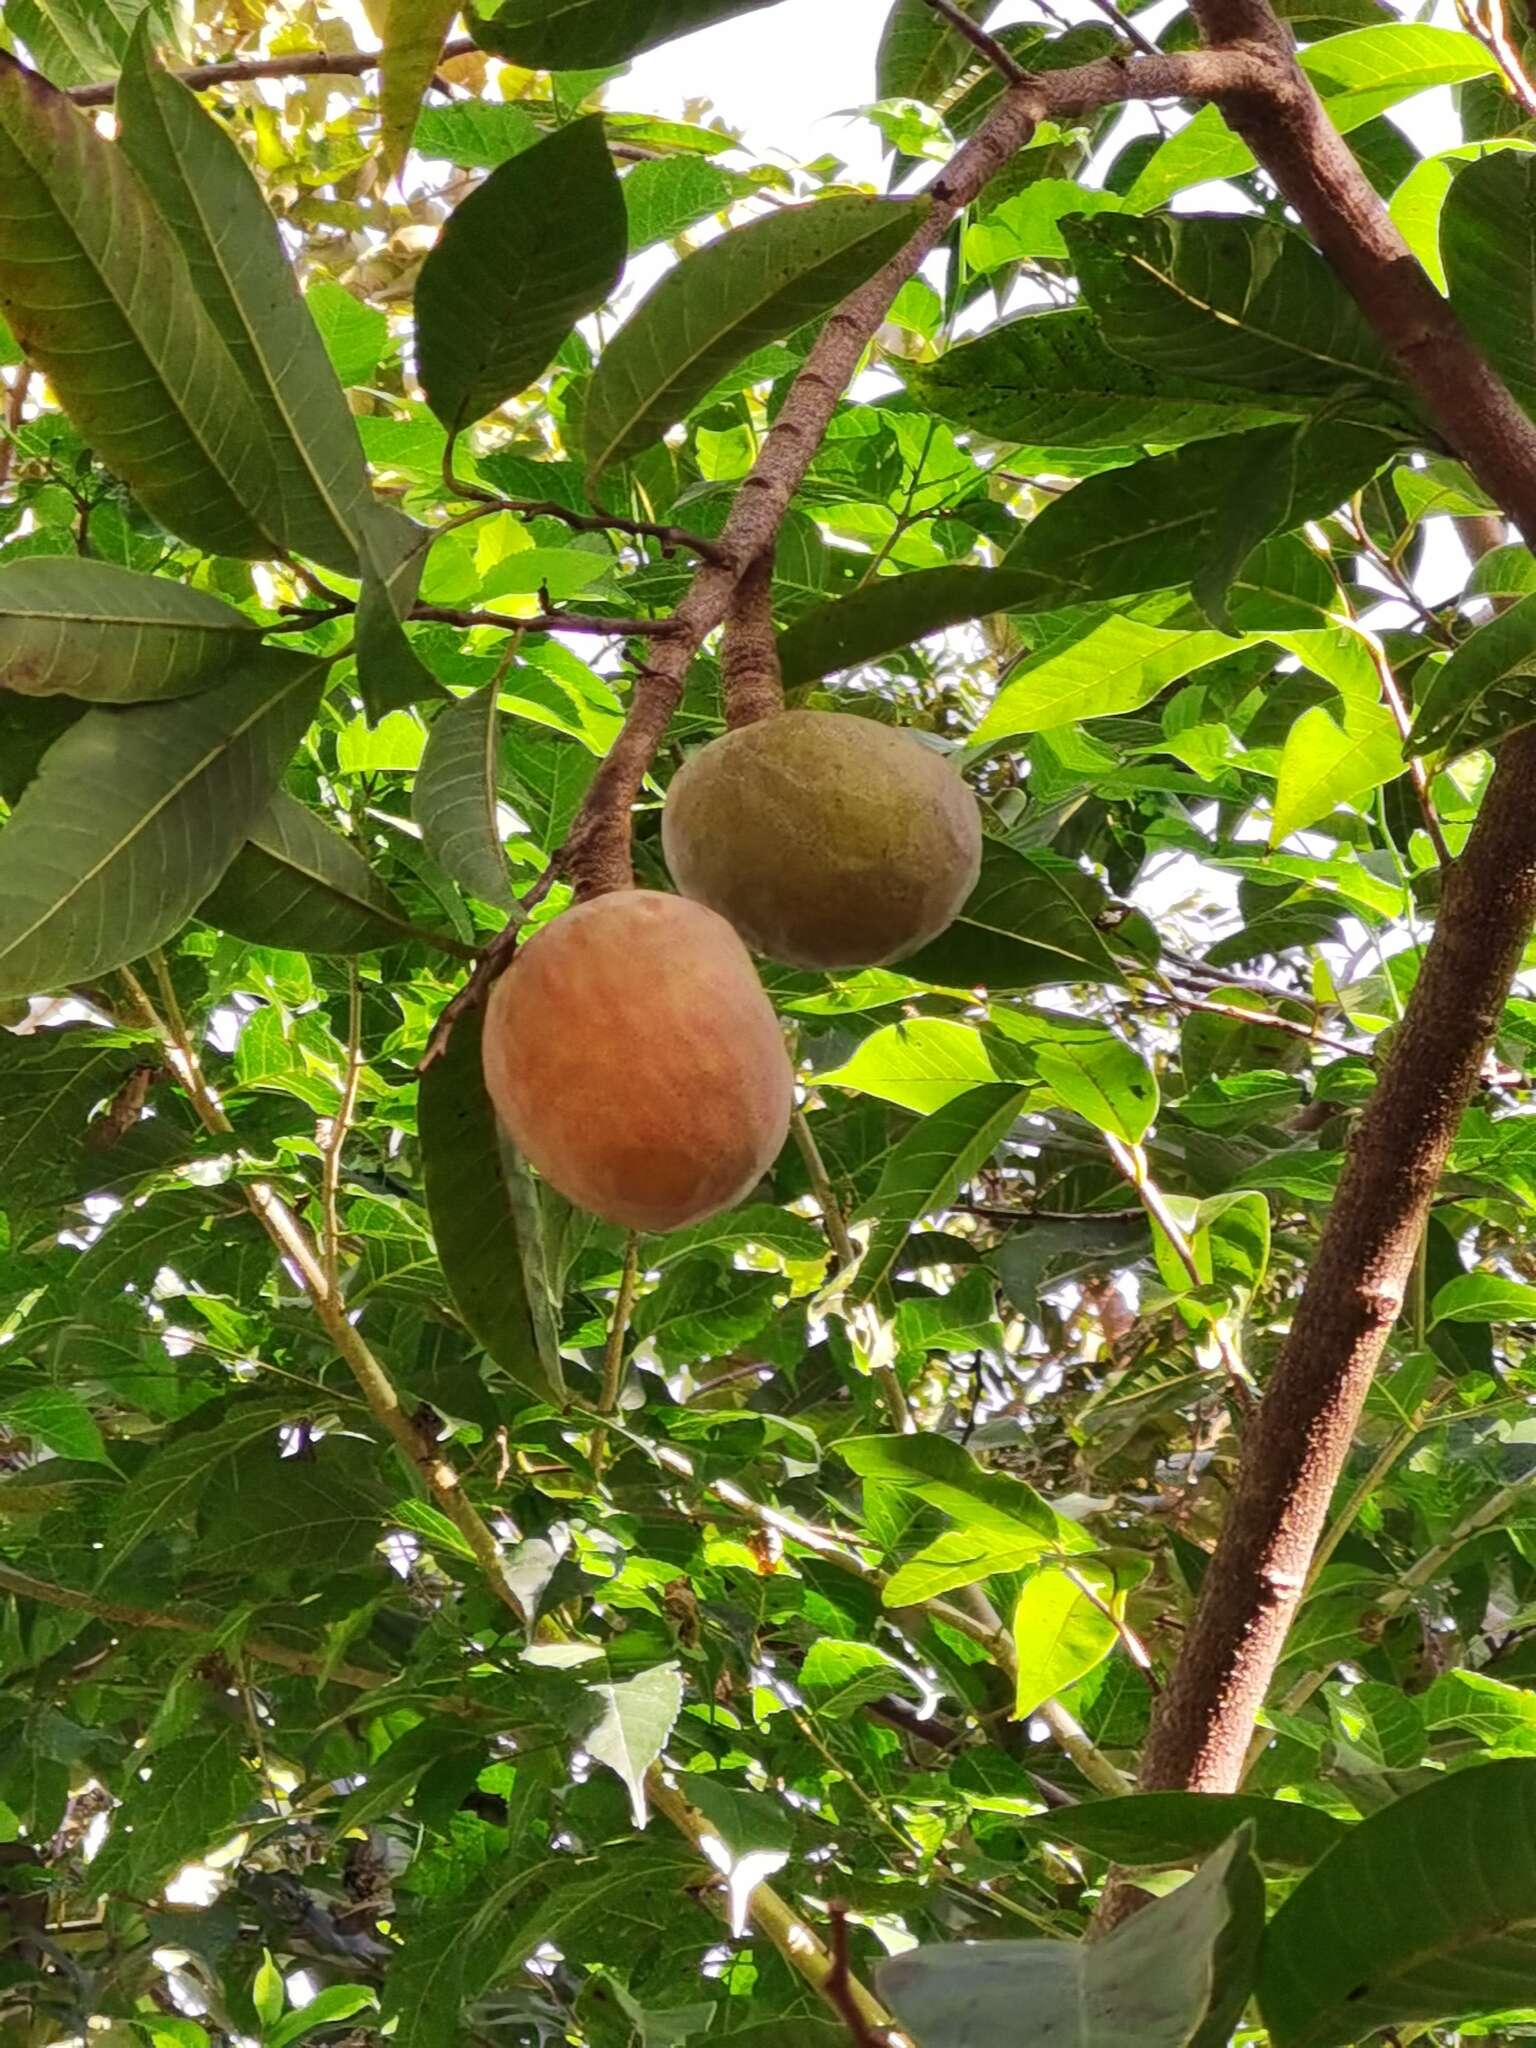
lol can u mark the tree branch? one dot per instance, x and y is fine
(1295, 1453)
(752, 683)
(300, 64)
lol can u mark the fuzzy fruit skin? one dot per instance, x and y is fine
(827, 840)
(633, 1057)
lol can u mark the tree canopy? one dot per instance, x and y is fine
(1058, 1561)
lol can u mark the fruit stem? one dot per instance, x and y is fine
(751, 681)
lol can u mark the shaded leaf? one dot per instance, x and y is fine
(411, 36)
(580, 35)
(753, 285)
(893, 611)
(87, 629)
(100, 296)
(194, 1792)
(1176, 1827)
(1027, 924)
(135, 813)
(535, 248)
(298, 881)
(454, 798)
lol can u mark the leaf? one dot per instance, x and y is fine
(268, 1993)
(1154, 524)
(283, 1514)
(1027, 924)
(334, 2003)
(1324, 765)
(662, 199)
(727, 299)
(893, 611)
(533, 250)
(168, 1486)
(1244, 302)
(207, 196)
(1059, 1633)
(920, 54)
(298, 882)
(50, 1082)
(454, 798)
(1418, 205)
(635, 1717)
(1101, 1077)
(944, 1474)
(100, 297)
(583, 35)
(960, 1557)
(58, 1419)
(921, 1063)
(1118, 664)
(1052, 378)
(837, 1678)
(80, 42)
(925, 1170)
(1176, 1827)
(411, 36)
(1427, 1911)
(1358, 75)
(196, 1790)
(1484, 1298)
(1495, 663)
(355, 335)
(478, 133)
(87, 629)
(1028, 225)
(1228, 1236)
(135, 813)
(1176, 1975)
(483, 1217)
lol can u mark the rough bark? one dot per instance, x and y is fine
(1355, 1290)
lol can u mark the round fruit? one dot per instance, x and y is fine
(634, 1059)
(827, 840)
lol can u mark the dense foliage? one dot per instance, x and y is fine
(427, 1613)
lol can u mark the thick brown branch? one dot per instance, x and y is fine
(1355, 1290)
(751, 680)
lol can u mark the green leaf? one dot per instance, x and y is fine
(662, 199)
(533, 250)
(727, 299)
(81, 42)
(837, 1678)
(207, 196)
(479, 133)
(1426, 1912)
(1358, 75)
(1028, 225)
(1484, 1298)
(454, 799)
(195, 1791)
(1418, 207)
(1228, 1236)
(1325, 764)
(298, 882)
(1154, 524)
(87, 629)
(483, 1216)
(926, 1169)
(411, 36)
(336, 2002)
(58, 1419)
(100, 297)
(920, 54)
(893, 611)
(1118, 664)
(1102, 1078)
(944, 1474)
(268, 1993)
(1484, 689)
(275, 1513)
(167, 1488)
(1244, 302)
(960, 1557)
(1150, 1828)
(49, 1084)
(1176, 1975)
(136, 813)
(1027, 924)
(588, 35)
(1059, 1633)
(355, 335)
(921, 1063)
(634, 1718)
(1052, 378)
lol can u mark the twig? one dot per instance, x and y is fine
(15, 408)
(302, 64)
(671, 538)
(491, 965)
(549, 622)
(1402, 718)
(1132, 1162)
(1127, 28)
(336, 1136)
(978, 38)
(613, 1349)
(1134, 1647)
(1491, 28)
(841, 1985)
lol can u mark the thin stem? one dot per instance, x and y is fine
(336, 1136)
(549, 622)
(977, 36)
(1132, 1162)
(1068, 1733)
(832, 1218)
(301, 64)
(1127, 28)
(613, 1348)
(1402, 718)
(15, 410)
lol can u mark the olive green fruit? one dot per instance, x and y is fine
(827, 840)
(634, 1059)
